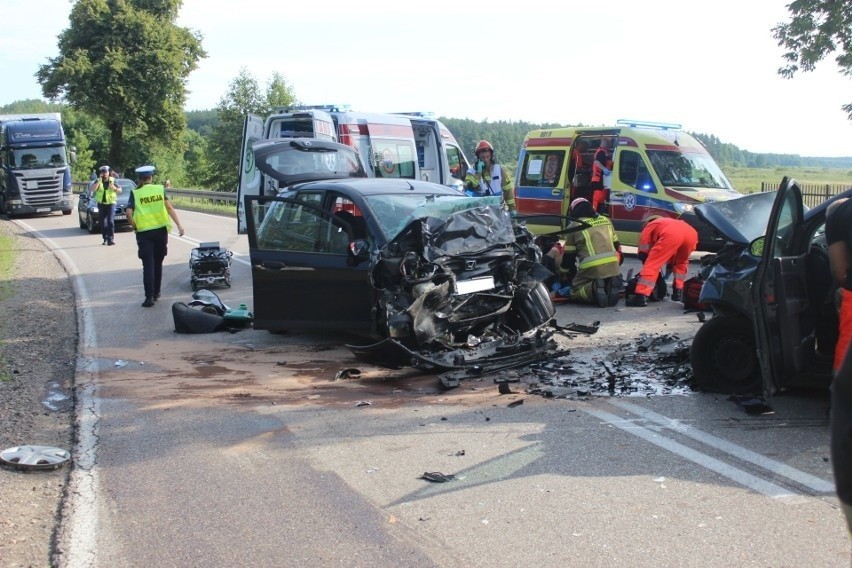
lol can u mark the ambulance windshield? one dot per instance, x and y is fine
(688, 170)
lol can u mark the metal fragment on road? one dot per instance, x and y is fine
(437, 477)
(34, 457)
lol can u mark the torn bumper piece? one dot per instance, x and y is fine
(511, 351)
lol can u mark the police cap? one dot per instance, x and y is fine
(104, 169)
(145, 171)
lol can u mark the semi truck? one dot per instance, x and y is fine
(36, 165)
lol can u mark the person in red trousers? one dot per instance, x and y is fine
(663, 241)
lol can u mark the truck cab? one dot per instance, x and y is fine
(35, 171)
(656, 168)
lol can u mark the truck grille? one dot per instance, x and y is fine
(40, 187)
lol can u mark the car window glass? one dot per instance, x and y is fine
(542, 168)
(454, 160)
(347, 211)
(787, 222)
(633, 171)
(297, 227)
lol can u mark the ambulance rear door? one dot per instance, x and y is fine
(249, 181)
(391, 152)
(309, 123)
(439, 156)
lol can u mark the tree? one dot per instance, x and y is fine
(817, 29)
(125, 62)
(224, 144)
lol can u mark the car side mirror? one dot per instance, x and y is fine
(359, 251)
(756, 246)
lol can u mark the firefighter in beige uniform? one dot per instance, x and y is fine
(487, 178)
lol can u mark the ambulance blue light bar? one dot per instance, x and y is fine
(646, 124)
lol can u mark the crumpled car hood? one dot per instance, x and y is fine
(739, 220)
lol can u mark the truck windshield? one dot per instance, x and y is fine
(33, 158)
(687, 170)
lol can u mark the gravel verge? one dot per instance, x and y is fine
(38, 346)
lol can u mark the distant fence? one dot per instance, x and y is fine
(812, 194)
(193, 195)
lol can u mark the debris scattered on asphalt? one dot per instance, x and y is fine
(281, 363)
(437, 477)
(515, 403)
(364, 403)
(121, 363)
(650, 364)
(459, 453)
(504, 388)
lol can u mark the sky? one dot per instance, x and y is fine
(710, 66)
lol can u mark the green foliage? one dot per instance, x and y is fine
(817, 28)
(7, 260)
(126, 63)
(224, 143)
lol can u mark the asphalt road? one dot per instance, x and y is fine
(241, 449)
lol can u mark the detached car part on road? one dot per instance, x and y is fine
(443, 280)
(775, 322)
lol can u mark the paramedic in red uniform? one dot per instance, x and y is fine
(600, 166)
(838, 234)
(663, 241)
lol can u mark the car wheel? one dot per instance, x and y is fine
(80, 221)
(724, 358)
(66, 211)
(90, 224)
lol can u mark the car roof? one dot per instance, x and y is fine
(377, 186)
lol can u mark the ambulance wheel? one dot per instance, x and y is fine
(724, 357)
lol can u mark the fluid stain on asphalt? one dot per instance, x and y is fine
(57, 398)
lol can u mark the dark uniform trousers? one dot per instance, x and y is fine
(106, 215)
(841, 435)
(152, 246)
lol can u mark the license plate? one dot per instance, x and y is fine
(120, 217)
(475, 285)
(43, 210)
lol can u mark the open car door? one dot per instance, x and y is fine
(249, 177)
(302, 277)
(784, 324)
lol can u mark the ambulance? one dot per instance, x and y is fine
(656, 168)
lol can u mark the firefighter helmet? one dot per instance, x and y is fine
(483, 145)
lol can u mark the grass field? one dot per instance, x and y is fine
(748, 180)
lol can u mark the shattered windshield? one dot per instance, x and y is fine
(688, 170)
(394, 212)
(33, 158)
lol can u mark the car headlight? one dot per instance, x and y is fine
(684, 207)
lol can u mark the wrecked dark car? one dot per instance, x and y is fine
(775, 323)
(436, 278)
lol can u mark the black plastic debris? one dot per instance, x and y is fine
(515, 403)
(437, 477)
(363, 403)
(347, 374)
(504, 388)
(583, 328)
(754, 406)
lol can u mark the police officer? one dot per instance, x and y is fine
(148, 212)
(486, 177)
(106, 194)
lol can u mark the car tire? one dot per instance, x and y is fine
(66, 211)
(80, 221)
(90, 224)
(724, 357)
